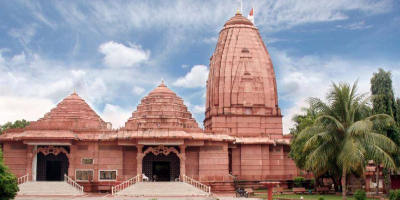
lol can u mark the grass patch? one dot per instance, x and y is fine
(308, 196)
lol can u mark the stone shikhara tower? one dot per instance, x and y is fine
(242, 95)
(242, 102)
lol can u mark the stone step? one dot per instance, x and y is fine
(47, 188)
(161, 189)
(222, 187)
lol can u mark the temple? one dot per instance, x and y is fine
(241, 143)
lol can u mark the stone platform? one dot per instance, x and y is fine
(47, 188)
(157, 189)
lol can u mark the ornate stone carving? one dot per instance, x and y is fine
(161, 150)
(51, 150)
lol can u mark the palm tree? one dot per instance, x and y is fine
(346, 134)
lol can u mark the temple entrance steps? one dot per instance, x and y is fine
(222, 186)
(47, 188)
(151, 189)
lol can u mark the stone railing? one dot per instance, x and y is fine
(196, 184)
(122, 186)
(74, 184)
(23, 179)
(232, 176)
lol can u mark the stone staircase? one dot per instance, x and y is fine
(227, 186)
(154, 189)
(56, 188)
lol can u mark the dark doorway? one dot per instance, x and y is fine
(162, 170)
(52, 167)
(168, 166)
(53, 171)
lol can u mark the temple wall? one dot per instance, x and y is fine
(246, 126)
(276, 162)
(251, 163)
(130, 162)
(263, 162)
(192, 162)
(290, 166)
(110, 159)
(106, 156)
(213, 161)
(15, 157)
(236, 160)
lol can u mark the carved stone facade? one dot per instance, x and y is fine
(242, 137)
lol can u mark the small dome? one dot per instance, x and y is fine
(161, 89)
(161, 109)
(238, 19)
(71, 113)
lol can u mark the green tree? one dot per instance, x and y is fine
(17, 124)
(303, 121)
(384, 102)
(8, 182)
(345, 133)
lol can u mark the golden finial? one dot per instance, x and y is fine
(239, 7)
(74, 91)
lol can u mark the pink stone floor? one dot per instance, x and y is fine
(221, 196)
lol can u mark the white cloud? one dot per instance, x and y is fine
(312, 76)
(23, 34)
(15, 108)
(278, 15)
(78, 73)
(113, 17)
(137, 90)
(52, 81)
(210, 40)
(184, 66)
(355, 26)
(19, 59)
(116, 115)
(198, 109)
(119, 55)
(197, 77)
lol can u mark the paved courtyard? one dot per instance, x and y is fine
(124, 198)
(161, 189)
(142, 191)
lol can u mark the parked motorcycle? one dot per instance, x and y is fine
(241, 193)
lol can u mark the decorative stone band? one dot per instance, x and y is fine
(52, 150)
(161, 150)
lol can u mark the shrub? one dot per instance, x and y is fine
(298, 181)
(360, 195)
(8, 182)
(394, 195)
(321, 198)
(312, 182)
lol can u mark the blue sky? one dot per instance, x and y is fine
(115, 52)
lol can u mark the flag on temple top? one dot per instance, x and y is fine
(251, 15)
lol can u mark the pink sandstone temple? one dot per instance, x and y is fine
(242, 142)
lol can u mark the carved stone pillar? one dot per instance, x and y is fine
(71, 158)
(182, 157)
(139, 159)
(29, 158)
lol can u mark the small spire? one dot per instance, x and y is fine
(74, 91)
(239, 7)
(162, 83)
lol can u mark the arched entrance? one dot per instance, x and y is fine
(52, 163)
(161, 163)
